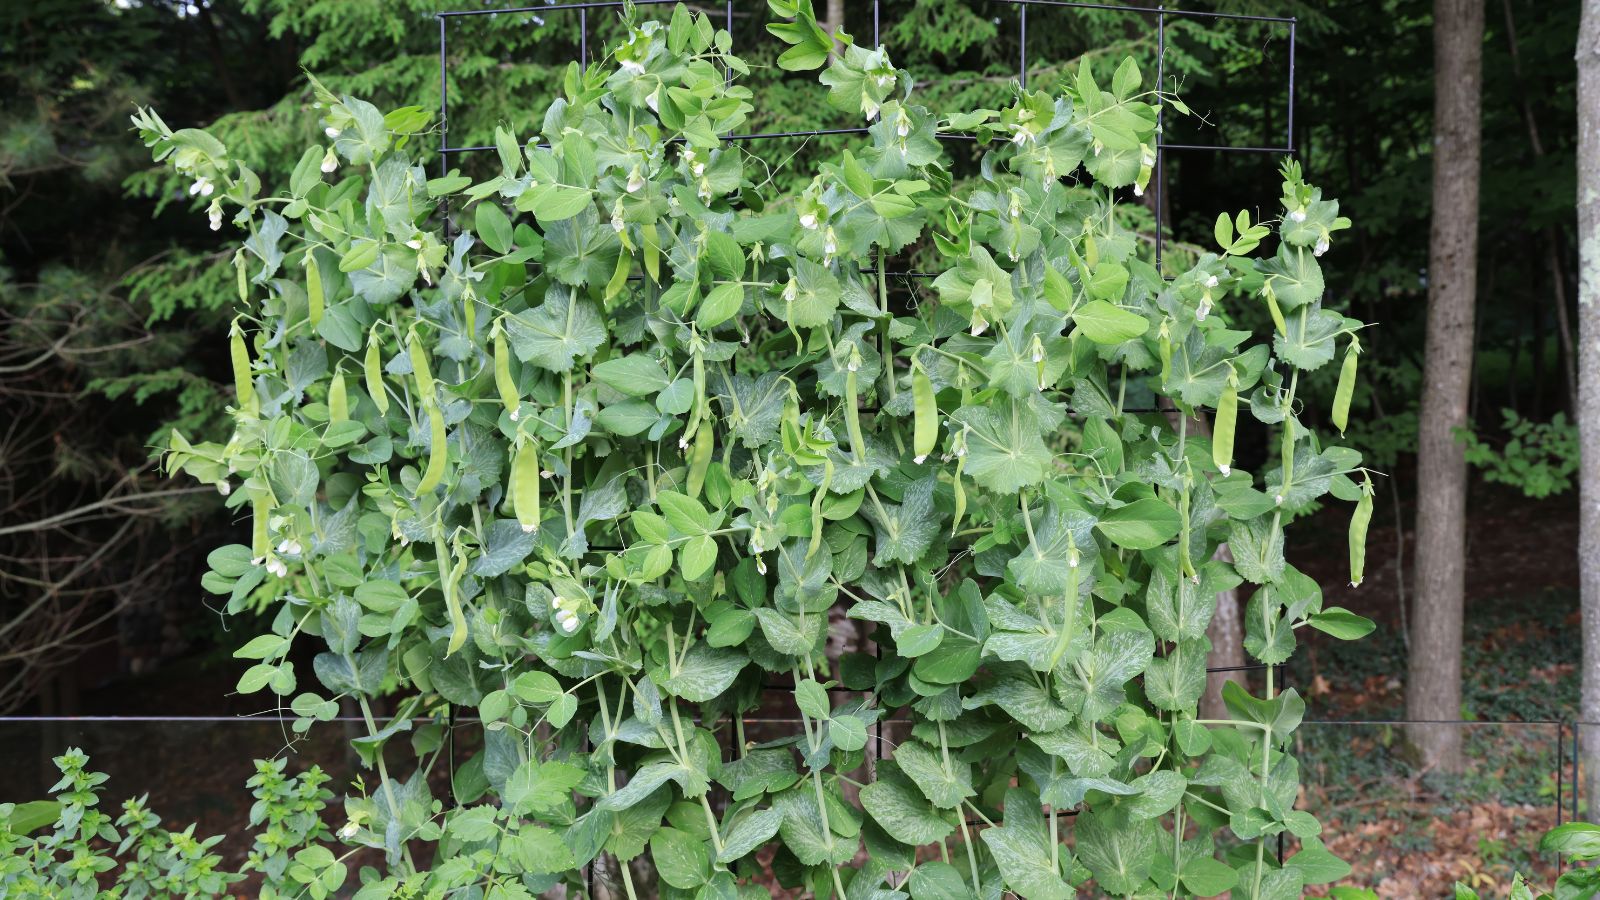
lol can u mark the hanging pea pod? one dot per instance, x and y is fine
(1358, 532)
(816, 506)
(698, 410)
(652, 251)
(960, 489)
(525, 486)
(1184, 559)
(705, 442)
(1287, 453)
(1222, 433)
(338, 399)
(244, 388)
(1164, 345)
(260, 539)
(419, 367)
(241, 276)
(926, 410)
(449, 578)
(314, 298)
(372, 371)
(1347, 386)
(852, 407)
(437, 450)
(1272, 307)
(510, 397)
(470, 313)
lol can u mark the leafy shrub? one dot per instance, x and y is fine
(85, 848)
(594, 446)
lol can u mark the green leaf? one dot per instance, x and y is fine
(682, 859)
(493, 227)
(720, 305)
(1317, 866)
(537, 788)
(847, 732)
(698, 555)
(944, 784)
(706, 672)
(1021, 848)
(1342, 623)
(557, 332)
(1141, 525)
(1005, 449)
(748, 833)
(636, 375)
(903, 812)
(1118, 855)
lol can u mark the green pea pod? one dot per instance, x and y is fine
(437, 451)
(510, 397)
(372, 370)
(926, 409)
(338, 399)
(1358, 534)
(525, 487)
(816, 506)
(699, 407)
(652, 251)
(1277, 314)
(470, 315)
(314, 298)
(700, 459)
(241, 276)
(419, 367)
(1287, 453)
(1222, 433)
(852, 408)
(1347, 387)
(1184, 559)
(449, 578)
(260, 540)
(243, 385)
(961, 497)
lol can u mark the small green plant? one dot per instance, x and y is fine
(71, 848)
(594, 450)
(1538, 458)
(1578, 842)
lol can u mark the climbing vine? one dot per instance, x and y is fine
(593, 447)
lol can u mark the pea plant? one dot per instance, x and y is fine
(593, 446)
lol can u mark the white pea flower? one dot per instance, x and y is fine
(1203, 310)
(289, 547)
(632, 66)
(635, 180)
(1211, 281)
(276, 567)
(808, 221)
(214, 213)
(1073, 558)
(1038, 352)
(331, 131)
(516, 415)
(1138, 189)
(791, 290)
(224, 488)
(1021, 137)
(698, 169)
(854, 365)
(348, 830)
(1298, 215)
(654, 100)
(617, 224)
(570, 625)
(902, 126)
(705, 190)
(1225, 470)
(1321, 248)
(330, 161)
(1278, 499)
(830, 243)
(870, 108)
(414, 243)
(761, 565)
(202, 186)
(556, 602)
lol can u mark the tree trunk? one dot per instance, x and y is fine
(1588, 412)
(1433, 688)
(835, 20)
(1226, 633)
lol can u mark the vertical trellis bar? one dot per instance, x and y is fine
(1289, 142)
(1160, 174)
(444, 118)
(877, 40)
(583, 40)
(1022, 45)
